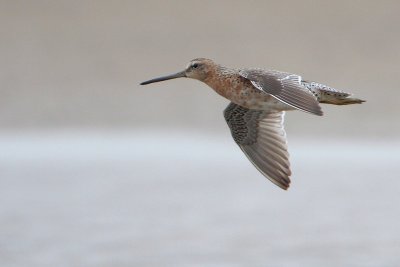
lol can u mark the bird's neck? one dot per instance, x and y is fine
(220, 79)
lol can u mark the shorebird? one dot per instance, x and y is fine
(259, 99)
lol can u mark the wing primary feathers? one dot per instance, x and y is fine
(261, 137)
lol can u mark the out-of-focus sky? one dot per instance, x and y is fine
(78, 64)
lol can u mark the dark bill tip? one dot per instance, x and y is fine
(164, 78)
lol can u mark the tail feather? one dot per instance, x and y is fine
(342, 101)
(329, 95)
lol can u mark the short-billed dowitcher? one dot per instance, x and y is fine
(259, 99)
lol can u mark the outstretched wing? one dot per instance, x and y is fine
(261, 137)
(285, 87)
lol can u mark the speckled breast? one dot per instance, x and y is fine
(240, 91)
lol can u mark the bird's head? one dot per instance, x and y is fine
(199, 69)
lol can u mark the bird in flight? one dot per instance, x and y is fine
(259, 99)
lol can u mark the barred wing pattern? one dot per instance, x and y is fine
(285, 87)
(261, 137)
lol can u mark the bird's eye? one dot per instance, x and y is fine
(195, 66)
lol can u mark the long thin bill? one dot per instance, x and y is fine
(164, 78)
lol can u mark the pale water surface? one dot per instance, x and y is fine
(168, 199)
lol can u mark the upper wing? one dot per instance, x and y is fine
(261, 137)
(285, 87)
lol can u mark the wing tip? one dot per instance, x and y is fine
(283, 185)
(316, 109)
(319, 112)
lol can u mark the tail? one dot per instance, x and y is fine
(329, 95)
(342, 101)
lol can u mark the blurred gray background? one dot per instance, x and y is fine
(96, 170)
